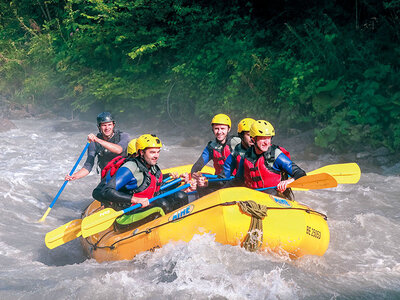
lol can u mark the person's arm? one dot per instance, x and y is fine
(239, 178)
(109, 190)
(229, 166)
(282, 162)
(202, 161)
(114, 148)
(87, 166)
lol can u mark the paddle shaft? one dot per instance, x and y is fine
(167, 185)
(65, 183)
(126, 210)
(103, 219)
(166, 179)
(315, 181)
(220, 179)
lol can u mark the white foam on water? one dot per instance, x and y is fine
(362, 260)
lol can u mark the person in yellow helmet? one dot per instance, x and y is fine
(265, 164)
(217, 151)
(232, 162)
(106, 145)
(136, 181)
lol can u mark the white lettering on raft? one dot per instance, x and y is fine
(181, 213)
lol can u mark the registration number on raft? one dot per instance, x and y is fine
(313, 232)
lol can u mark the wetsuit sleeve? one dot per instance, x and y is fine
(91, 154)
(109, 191)
(283, 163)
(229, 166)
(124, 141)
(239, 178)
(202, 161)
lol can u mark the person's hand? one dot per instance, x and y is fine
(283, 184)
(196, 175)
(174, 175)
(143, 201)
(70, 178)
(202, 181)
(192, 187)
(185, 177)
(92, 138)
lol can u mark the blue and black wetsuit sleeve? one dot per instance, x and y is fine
(202, 161)
(239, 178)
(229, 166)
(284, 163)
(109, 191)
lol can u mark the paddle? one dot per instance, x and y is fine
(209, 175)
(311, 182)
(219, 179)
(63, 234)
(167, 179)
(65, 183)
(167, 185)
(73, 229)
(103, 219)
(343, 173)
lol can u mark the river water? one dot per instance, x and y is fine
(362, 261)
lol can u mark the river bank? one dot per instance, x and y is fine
(299, 143)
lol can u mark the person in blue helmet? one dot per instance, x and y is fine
(106, 145)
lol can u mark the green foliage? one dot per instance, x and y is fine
(190, 59)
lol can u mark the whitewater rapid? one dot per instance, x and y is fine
(362, 261)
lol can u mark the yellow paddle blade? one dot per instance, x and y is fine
(314, 182)
(343, 173)
(99, 221)
(187, 169)
(63, 234)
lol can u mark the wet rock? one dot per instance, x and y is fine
(363, 155)
(381, 151)
(6, 125)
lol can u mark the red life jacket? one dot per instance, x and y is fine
(258, 173)
(151, 182)
(219, 154)
(113, 166)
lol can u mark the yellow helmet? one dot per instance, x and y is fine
(147, 141)
(245, 124)
(221, 119)
(132, 147)
(261, 128)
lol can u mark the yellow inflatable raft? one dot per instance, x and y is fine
(230, 214)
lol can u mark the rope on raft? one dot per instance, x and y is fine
(257, 212)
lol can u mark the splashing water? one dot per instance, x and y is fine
(362, 261)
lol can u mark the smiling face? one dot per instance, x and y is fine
(151, 155)
(262, 143)
(107, 129)
(220, 131)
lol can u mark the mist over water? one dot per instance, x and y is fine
(362, 261)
